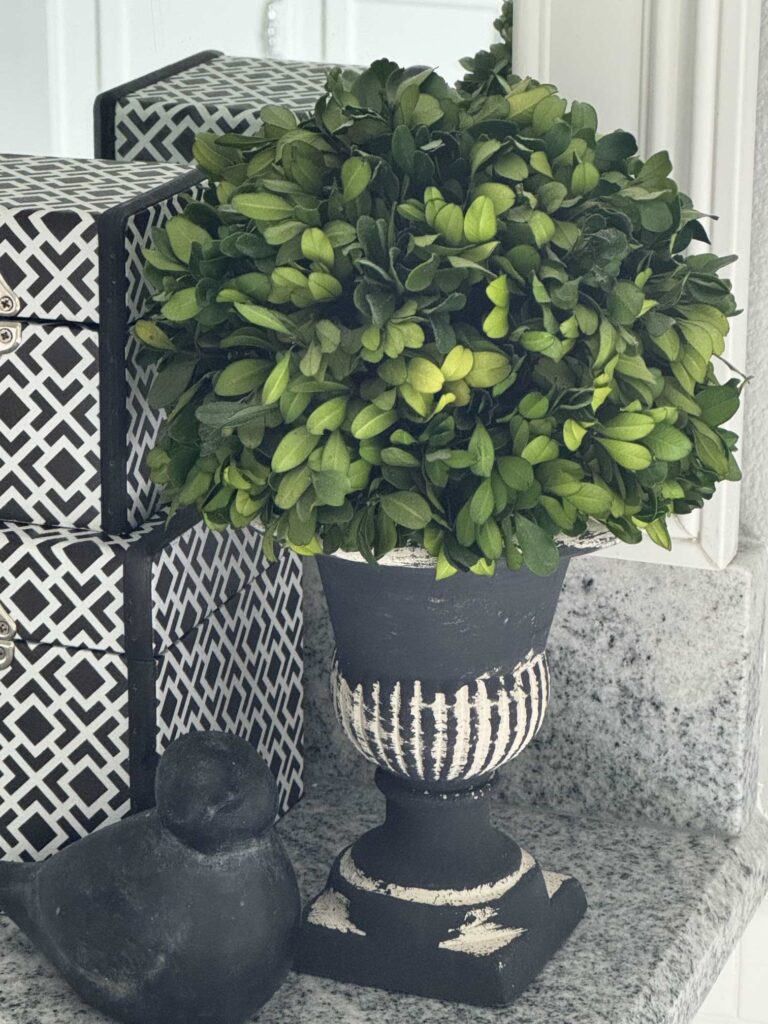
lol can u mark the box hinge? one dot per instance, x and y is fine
(9, 301)
(10, 336)
(7, 638)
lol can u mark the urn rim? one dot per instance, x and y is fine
(416, 557)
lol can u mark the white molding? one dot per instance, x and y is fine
(115, 52)
(340, 22)
(532, 39)
(73, 73)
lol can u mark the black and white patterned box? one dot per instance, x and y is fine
(75, 425)
(157, 117)
(111, 648)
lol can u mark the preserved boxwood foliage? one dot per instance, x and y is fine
(460, 318)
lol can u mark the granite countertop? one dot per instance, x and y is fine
(666, 908)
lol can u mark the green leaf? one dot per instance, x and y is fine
(482, 451)
(324, 287)
(262, 317)
(316, 246)
(240, 378)
(151, 334)
(516, 472)
(331, 487)
(627, 455)
(584, 179)
(659, 534)
(372, 421)
(399, 457)
(625, 303)
(718, 404)
(182, 234)
(710, 448)
(542, 227)
(614, 148)
(512, 166)
(403, 147)
(490, 540)
(295, 448)
(328, 416)
(589, 498)
(668, 443)
(540, 552)
(450, 223)
(424, 376)
(292, 486)
(171, 383)
(540, 449)
(407, 509)
(277, 381)
(181, 306)
(422, 276)
(628, 426)
(488, 369)
(481, 505)
(502, 196)
(573, 434)
(480, 221)
(335, 454)
(262, 206)
(356, 176)
(533, 406)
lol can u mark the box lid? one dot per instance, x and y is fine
(135, 595)
(70, 244)
(158, 116)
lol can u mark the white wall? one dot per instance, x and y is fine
(56, 55)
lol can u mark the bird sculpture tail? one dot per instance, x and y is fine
(14, 885)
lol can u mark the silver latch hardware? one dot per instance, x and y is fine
(10, 336)
(7, 637)
(9, 302)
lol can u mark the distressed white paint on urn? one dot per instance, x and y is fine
(475, 896)
(449, 737)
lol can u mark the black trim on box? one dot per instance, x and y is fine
(113, 287)
(105, 105)
(139, 655)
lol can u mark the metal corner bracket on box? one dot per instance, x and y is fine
(7, 638)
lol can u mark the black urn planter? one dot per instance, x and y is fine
(439, 684)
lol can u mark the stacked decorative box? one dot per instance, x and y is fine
(117, 633)
(157, 117)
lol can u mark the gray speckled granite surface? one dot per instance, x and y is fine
(665, 910)
(656, 678)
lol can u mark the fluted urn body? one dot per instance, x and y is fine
(439, 684)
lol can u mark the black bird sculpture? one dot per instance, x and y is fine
(185, 914)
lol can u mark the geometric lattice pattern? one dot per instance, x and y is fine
(52, 433)
(225, 94)
(63, 748)
(241, 672)
(50, 458)
(228, 637)
(67, 587)
(199, 572)
(64, 588)
(49, 209)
